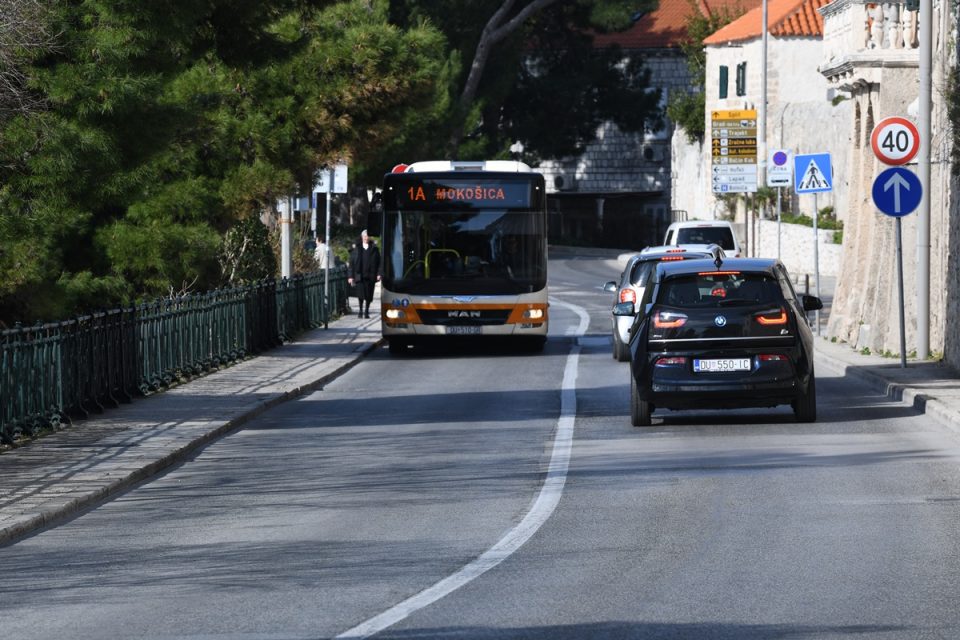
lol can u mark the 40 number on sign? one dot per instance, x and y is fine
(895, 140)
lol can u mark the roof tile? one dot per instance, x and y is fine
(785, 18)
(666, 26)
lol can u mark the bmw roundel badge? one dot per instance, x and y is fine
(720, 321)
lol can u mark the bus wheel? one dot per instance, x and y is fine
(535, 345)
(397, 346)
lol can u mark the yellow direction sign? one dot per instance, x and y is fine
(733, 150)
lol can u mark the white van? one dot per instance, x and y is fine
(718, 232)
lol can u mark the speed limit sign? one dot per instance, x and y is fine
(895, 140)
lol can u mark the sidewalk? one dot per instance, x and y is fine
(930, 387)
(63, 473)
(68, 471)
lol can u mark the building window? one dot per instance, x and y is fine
(724, 74)
(742, 79)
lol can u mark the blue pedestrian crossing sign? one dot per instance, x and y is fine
(812, 173)
(897, 192)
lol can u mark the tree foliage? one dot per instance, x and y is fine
(24, 34)
(686, 109)
(138, 140)
(167, 123)
(528, 72)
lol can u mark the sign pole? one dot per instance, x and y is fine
(778, 223)
(898, 192)
(286, 223)
(925, 23)
(816, 260)
(326, 270)
(903, 330)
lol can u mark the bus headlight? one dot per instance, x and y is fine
(533, 314)
(395, 314)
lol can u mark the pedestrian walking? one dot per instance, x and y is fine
(364, 272)
(322, 254)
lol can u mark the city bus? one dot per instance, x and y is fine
(464, 253)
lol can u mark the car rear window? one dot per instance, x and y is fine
(641, 272)
(644, 268)
(721, 289)
(722, 236)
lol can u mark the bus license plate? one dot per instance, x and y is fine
(721, 365)
(463, 331)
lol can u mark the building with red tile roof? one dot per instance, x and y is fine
(666, 26)
(801, 115)
(785, 18)
(618, 192)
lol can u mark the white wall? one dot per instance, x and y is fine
(799, 117)
(796, 247)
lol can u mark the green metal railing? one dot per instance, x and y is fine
(52, 372)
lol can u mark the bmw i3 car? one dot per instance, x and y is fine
(633, 281)
(723, 333)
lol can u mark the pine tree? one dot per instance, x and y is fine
(169, 122)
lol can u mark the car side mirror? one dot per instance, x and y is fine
(811, 303)
(624, 309)
(610, 286)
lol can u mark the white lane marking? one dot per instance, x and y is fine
(538, 514)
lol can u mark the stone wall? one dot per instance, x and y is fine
(880, 71)
(796, 247)
(866, 305)
(619, 162)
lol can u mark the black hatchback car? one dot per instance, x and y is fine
(721, 333)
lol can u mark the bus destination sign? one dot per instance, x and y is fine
(413, 193)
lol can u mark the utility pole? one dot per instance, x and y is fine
(286, 229)
(762, 142)
(326, 271)
(925, 25)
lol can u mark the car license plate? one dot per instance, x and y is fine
(721, 365)
(464, 331)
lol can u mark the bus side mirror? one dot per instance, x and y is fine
(624, 309)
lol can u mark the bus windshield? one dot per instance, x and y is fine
(464, 252)
(464, 233)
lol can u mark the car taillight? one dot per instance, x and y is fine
(672, 361)
(771, 357)
(669, 319)
(777, 317)
(628, 295)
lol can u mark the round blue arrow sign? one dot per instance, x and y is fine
(897, 192)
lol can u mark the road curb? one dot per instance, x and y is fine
(13, 533)
(941, 412)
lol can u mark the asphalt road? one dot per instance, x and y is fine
(463, 493)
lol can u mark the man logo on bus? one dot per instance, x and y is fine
(463, 314)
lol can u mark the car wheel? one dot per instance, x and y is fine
(639, 410)
(805, 406)
(621, 351)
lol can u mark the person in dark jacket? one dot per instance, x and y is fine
(364, 272)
